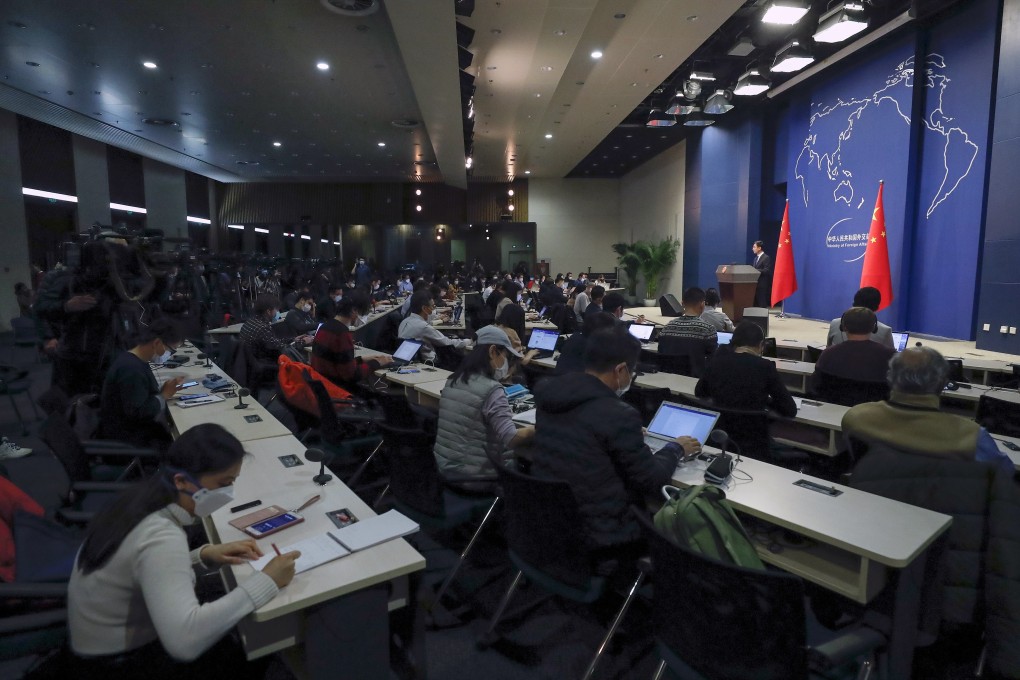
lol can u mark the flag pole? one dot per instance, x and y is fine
(782, 309)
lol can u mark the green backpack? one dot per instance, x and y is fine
(700, 518)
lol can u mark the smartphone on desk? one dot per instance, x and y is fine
(273, 525)
(190, 383)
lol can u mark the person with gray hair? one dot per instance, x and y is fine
(910, 420)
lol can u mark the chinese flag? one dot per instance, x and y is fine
(784, 276)
(876, 271)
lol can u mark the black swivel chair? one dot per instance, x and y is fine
(423, 494)
(347, 429)
(646, 400)
(684, 356)
(998, 416)
(846, 391)
(541, 529)
(716, 621)
(813, 353)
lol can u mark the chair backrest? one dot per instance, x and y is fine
(414, 475)
(303, 420)
(543, 526)
(813, 353)
(848, 392)
(228, 354)
(748, 428)
(725, 621)
(61, 439)
(329, 425)
(956, 370)
(952, 486)
(999, 416)
(673, 351)
(388, 340)
(646, 400)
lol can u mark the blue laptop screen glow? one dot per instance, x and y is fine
(672, 420)
(544, 340)
(900, 341)
(724, 338)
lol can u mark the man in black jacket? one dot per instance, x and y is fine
(586, 436)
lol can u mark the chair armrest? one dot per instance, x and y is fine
(844, 648)
(24, 623)
(69, 516)
(18, 590)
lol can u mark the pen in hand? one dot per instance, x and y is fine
(276, 549)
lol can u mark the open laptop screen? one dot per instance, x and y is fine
(542, 339)
(407, 350)
(900, 341)
(642, 331)
(673, 420)
(724, 338)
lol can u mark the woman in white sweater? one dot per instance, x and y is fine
(132, 608)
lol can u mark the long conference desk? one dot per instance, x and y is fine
(849, 558)
(331, 621)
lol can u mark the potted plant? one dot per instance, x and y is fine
(628, 260)
(656, 261)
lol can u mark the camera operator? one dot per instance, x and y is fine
(93, 310)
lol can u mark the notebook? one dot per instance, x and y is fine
(674, 420)
(900, 341)
(544, 341)
(336, 543)
(642, 331)
(724, 338)
(200, 401)
(406, 352)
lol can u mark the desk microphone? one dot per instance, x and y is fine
(241, 393)
(319, 456)
(208, 364)
(723, 464)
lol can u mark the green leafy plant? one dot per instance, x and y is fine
(630, 263)
(656, 260)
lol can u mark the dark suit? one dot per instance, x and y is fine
(129, 404)
(763, 290)
(745, 381)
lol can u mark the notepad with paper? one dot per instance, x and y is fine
(336, 543)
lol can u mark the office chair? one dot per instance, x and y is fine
(425, 495)
(998, 416)
(646, 400)
(541, 529)
(847, 391)
(716, 621)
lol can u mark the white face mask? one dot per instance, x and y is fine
(208, 501)
(503, 371)
(620, 391)
(277, 317)
(306, 308)
(338, 298)
(162, 358)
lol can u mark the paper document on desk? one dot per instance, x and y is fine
(210, 399)
(525, 417)
(374, 530)
(315, 552)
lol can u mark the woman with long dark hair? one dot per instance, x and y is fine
(474, 415)
(132, 608)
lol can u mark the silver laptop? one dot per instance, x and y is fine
(406, 352)
(673, 420)
(642, 331)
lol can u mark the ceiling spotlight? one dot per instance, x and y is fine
(149, 64)
(597, 54)
(751, 83)
(681, 108)
(548, 135)
(698, 120)
(417, 192)
(845, 20)
(702, 75)
(510, 192)
(468, 162)
(691, 89)
(322, 66)
(381, 144)
(791, 58)
(510, 207)
(656, 118)
(720, 102)
(418, 208)
(786, 12)
(527, 172)
(277, 144)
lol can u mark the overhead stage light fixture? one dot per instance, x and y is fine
(656, 118)
(691, 89)
(702, 75)
(698, 120)
(844, 21)
(785, 12)
(751, 83)
(681, 108)
(720, 102)
(791, 58)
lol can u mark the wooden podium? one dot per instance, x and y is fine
(737, 283)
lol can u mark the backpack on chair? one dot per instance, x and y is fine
(699, 518)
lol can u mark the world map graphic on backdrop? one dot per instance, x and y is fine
(834, 128)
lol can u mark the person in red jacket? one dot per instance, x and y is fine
(12, 499)
(333, 346)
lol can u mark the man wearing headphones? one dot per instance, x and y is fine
(858, 358)
(872, 299)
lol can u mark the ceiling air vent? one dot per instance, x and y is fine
(351, 8)
(405, 123)
(163, 122)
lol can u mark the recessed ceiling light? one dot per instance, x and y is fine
(597, 54)
(277, 143)
(545, 68)
(322, 66)
(490, 68)
(548, 135)
(381, 144)
(149, 64)
(527, 172)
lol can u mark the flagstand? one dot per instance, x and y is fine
(782, 310)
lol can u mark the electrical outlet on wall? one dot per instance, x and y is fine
(987, 327)
(1012, 330)
(1004, 329)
